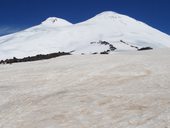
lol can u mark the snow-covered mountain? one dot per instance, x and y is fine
(56, 34)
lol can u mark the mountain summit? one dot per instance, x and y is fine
(54, 21)
(107, 31)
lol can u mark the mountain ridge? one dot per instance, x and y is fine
(56, 34)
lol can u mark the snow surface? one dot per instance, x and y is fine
(56, 22)
(56, 34)
(123, 90)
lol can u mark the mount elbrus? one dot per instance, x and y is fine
(106, 32)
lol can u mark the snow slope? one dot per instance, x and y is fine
(55, 34)
(97, 91)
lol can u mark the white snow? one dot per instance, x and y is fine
(56, 34)
(123, 90)
(56, 22)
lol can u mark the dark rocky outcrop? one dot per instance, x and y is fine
(111, 47)
(139, 49)
(34, 58)
(129, 44)
(105, 52)
(145, 48)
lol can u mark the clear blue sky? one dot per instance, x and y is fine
(16, 15)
